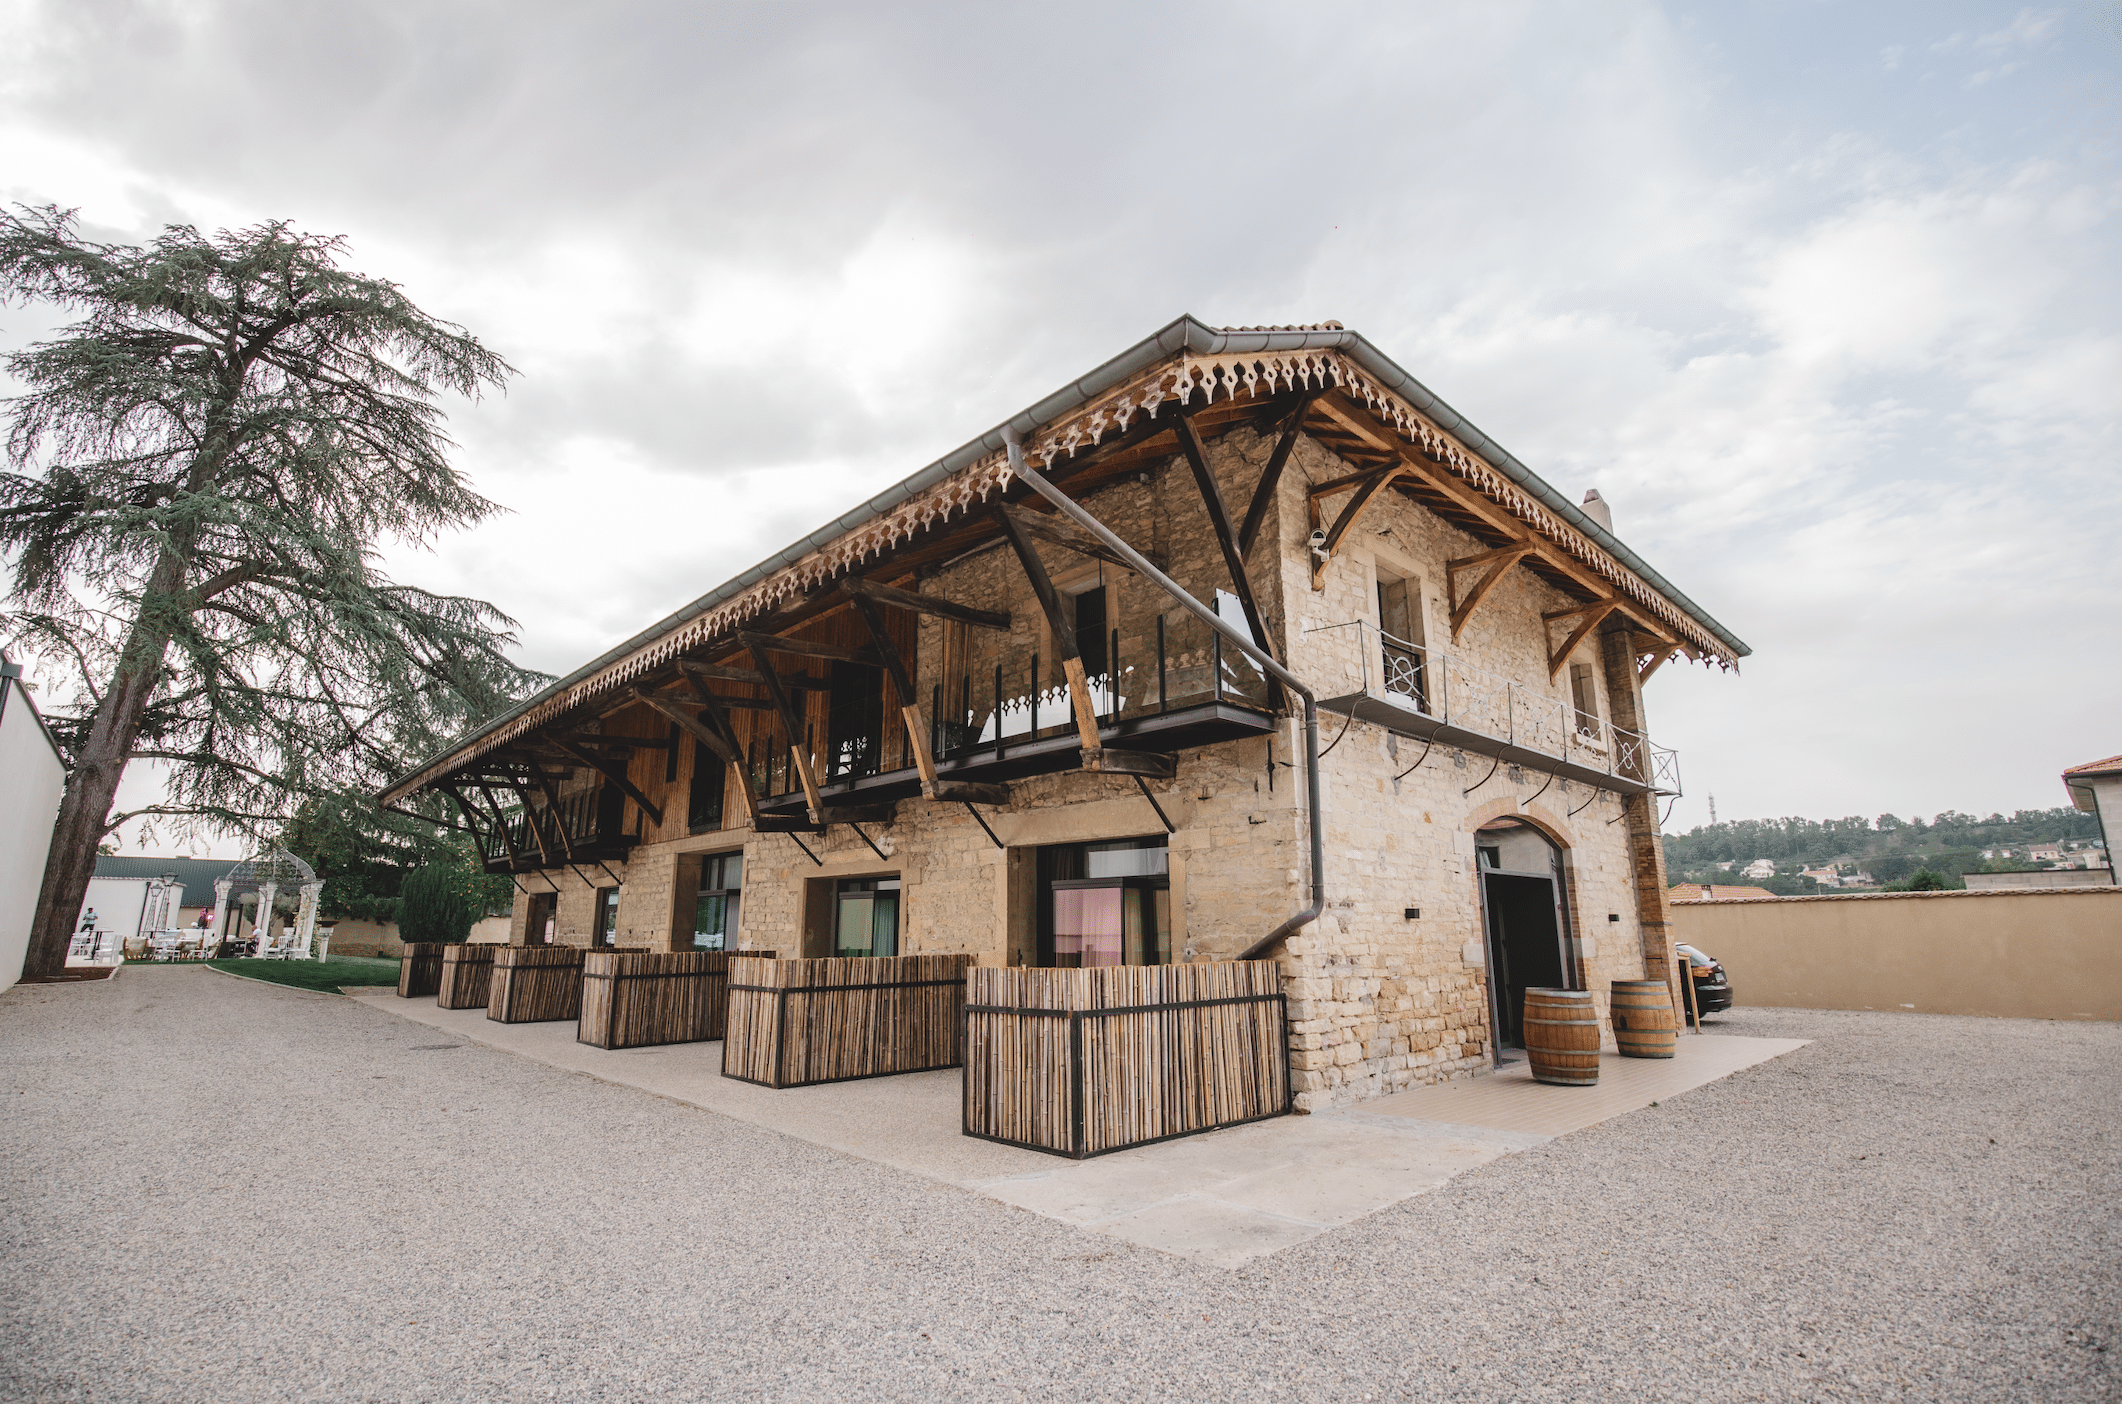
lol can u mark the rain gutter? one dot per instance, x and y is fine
(1185, 334)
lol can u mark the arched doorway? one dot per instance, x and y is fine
(1525, 913)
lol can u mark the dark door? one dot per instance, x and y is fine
(1524, 946)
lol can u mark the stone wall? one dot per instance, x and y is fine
(1378, 1001)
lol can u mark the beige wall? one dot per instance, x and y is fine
(2054, 954)
(1377, 1001)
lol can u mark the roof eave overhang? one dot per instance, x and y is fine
(1183, 338)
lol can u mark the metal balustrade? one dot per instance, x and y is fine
(1441, 695)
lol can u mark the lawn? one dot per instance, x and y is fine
(314, 974)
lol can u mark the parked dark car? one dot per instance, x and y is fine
(1712, 986)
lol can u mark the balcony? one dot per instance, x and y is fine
(582, 828)
(1157, 682)
(1441, 699)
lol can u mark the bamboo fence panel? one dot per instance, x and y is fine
(793, 1023)
(420, 969)
(538, 984)
(636, 1000)
(1082, 1062)
(467, 971)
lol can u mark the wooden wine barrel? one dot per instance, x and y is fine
(1562, 1036)
(1643, 1019)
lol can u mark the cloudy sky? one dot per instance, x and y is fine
(1822, 296)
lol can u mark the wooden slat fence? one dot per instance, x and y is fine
(420, 969)
(1085, 1062)
(467, 971)
(538, 984)
(797, 1022)
(636, 1000)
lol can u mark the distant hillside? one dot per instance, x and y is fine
(1889, 847)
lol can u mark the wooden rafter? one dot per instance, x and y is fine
(1057, 532)
(552, 807)
(1064, 633)
(1271, 476)
(763, 644)
(923, 604)
(1366, 493)
(717, 720)
(791, 721)
(508, 840)
(1219, 521)
(1588, 617)
(470, 818)
(1420, 471)
(614, 773)
(791, 681)
(902, 683)
(1498, 563)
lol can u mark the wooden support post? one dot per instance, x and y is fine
(1233, 558)
(926, 604)
(1624, 704)
(902, 684)
(552, 808)
(1059, 531)
(1367, 492)
(1271, 476)
(508, 840)
(614, 773)
(530, 822)
(1499, 563)
(1593, 613)
(718, 718)
(791, 719)
(470, 819)
(1064, 633)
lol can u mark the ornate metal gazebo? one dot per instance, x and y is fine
(268, 874)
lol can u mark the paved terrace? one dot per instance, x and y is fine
(216, 1189)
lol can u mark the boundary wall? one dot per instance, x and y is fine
(2052, 953)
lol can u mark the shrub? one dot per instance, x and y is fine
(432, 906)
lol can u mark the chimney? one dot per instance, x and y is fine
(1595, 507)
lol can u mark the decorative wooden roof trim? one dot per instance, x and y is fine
(1178, 377)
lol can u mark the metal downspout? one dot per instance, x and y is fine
(1187, 602)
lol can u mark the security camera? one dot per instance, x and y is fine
(1318, 541)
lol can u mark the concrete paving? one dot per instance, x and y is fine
(1224, 1198)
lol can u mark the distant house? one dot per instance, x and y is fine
(32, 777)
(1713, 892)
(1826, 877)
(2046, 853)
(1725, 866)
(123, 889)
(1758, 869)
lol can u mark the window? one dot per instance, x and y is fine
(703, 802)
(1400, 621)
(867, 920)
(1586, 698)
(854, 721)
(544, 916)
(1088, 608)
(606, 931)
(715, 909)
(1105, 903)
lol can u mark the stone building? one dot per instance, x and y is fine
(960, 719)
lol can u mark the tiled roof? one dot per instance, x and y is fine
(2111, 766)
(1714, 892)
(196, 875)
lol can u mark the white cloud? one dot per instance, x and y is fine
(1852, 395)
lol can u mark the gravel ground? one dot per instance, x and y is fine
(221, 1190)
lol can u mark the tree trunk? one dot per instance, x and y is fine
(90, 790)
